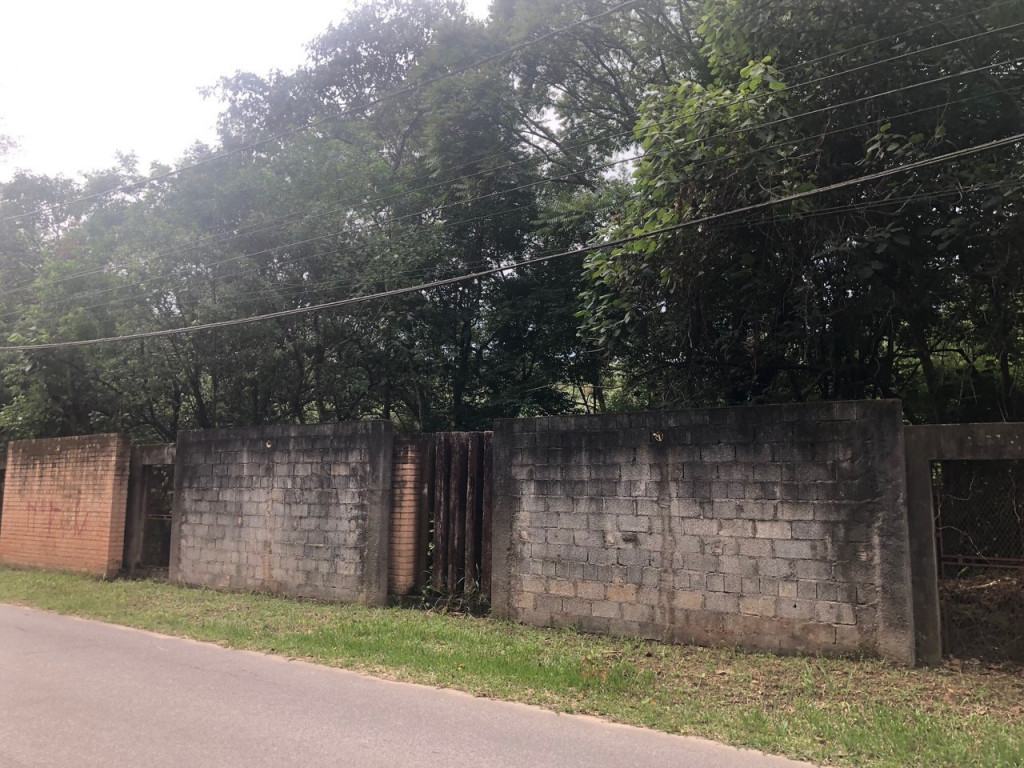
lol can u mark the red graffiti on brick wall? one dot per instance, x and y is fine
(58, 521)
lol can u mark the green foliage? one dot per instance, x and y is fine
(905, 287)
(367, 170)
(370, 195)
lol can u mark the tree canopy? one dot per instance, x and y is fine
(909, 286)
(373, 168)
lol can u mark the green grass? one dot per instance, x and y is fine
(838, 712)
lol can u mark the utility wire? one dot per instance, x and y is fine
(516, 49)
(435, 210)
(438, 209)
(304, 288)
(949, 156)
(749, 221)
(291, 218)
(772, 219)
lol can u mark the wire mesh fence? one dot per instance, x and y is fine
(979, 515)
(979, 526)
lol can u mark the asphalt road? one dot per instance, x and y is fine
(79, 693)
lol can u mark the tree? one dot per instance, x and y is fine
(906, 287)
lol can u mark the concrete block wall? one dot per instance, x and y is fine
(297, 510)
(778, 527)
(406, 496)
(64, 503)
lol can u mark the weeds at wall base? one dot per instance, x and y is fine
(471, 602)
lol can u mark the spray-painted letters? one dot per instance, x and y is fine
(57, 521)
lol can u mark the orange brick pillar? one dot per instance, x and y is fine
(64, 503)
(406, 494)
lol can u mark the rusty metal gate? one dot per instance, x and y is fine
(457, 512)
(147, 541)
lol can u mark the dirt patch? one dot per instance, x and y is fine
(983, 617)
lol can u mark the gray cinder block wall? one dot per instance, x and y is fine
(778, 527)
(295, 510)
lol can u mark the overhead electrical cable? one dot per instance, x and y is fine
(947, 157)
(300, 216)
(91, 294)
(525, 44)
(434, 210)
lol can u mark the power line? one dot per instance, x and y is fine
(788, 89)
(218, 239)
(515, 49)
(434, 209)
(949, 156)
(498, 193)
(954, 192)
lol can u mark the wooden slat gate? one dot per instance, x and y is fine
(456, 513)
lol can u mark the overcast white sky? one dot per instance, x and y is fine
(82, 79)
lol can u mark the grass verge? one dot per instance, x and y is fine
(843, 712)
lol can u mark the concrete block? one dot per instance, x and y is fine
(687, 600)
(699, 470)
(548, 604)
(606, 609)
(621, 593)
(792, 608)
(733, 584)
(650, 577)
(813, 569)
(807, 590)
(835, 613)
(809, 530)
(633, 557)
(738, 565)
(687, 545)
(853, 638)
(590, 590)
(558, 536)
(766, 473)
(797, 550)
(758, 486)
(561, 587)
(735, 471)
(737, 528)
(719, 546)
(720, 602)
(637, 613)
(636, 524)
(772, 529)
(759, 548)
(757, 606)
(575, 607)
(693, 527)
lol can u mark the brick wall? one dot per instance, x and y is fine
(3, 473)
(64, 503)
(777, 527)
(297, 510)
(406, 493)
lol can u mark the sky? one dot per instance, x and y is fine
(83, 79)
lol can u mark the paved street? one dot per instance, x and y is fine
(79, 693)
